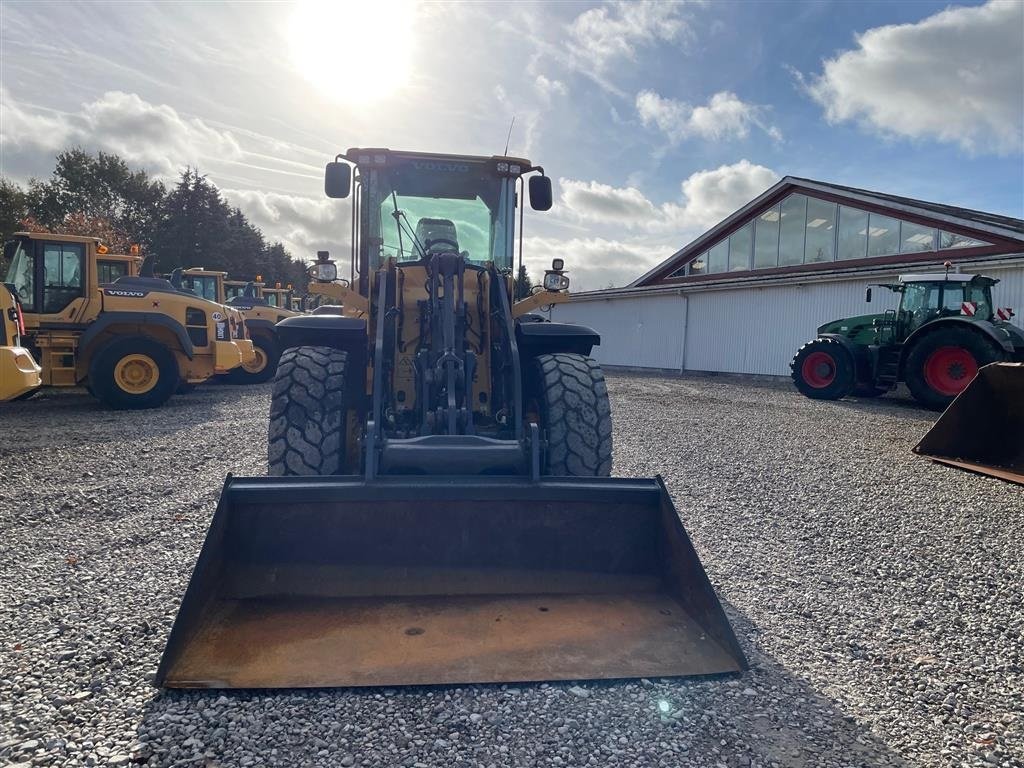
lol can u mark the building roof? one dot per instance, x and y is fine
(992, 225)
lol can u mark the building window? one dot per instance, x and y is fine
(791, 233)
(718, 257)
(740, 243)
(883, 235)
(820, 239)
(914, 238)
(953, 240)
(853, 233)
(766, 239)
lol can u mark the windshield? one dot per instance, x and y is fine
(442, 206)
(20, 273)
(201, 285)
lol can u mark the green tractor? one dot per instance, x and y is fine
(943, 331)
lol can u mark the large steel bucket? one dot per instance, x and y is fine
(333, 581)
(982, 430)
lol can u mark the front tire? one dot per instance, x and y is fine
(572, 398)
(941, 365)
(133, 373)
(263, 368)
(308, 413)
(823, 370)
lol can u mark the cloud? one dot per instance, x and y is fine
(955, 77)
(154, 136)
(594, 262)
(708, 196)
(548, 89)
(304, 224)
(725, 116)
(600, 36)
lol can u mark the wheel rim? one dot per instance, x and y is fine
(136, 374)
(258, 363)
(948, 370)
(819, 369)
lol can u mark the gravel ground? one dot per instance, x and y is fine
(878, 597)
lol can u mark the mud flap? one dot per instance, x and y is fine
(982, 430)
(334, 581)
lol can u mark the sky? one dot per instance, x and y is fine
(654, 120)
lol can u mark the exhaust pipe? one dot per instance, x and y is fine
(982, 430)
(335, 581)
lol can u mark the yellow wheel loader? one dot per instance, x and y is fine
(260, 306)
(439, 507)
(131, 339)
(19, 373)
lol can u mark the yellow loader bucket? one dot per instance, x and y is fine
(335, 581)
(983, 429)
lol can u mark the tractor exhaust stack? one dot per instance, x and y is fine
(336, 581)
(983, 429)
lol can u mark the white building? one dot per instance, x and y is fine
(745, 295)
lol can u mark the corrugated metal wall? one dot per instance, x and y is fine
(740, 330)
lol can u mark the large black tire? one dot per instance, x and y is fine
(575, 415)
(942, 363)
(307, 413)
(822, 369)
(132, 373)
(268, 355)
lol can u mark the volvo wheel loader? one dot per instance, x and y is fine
(131, 339)
(438, 507)
(260, 312)
(19, 373)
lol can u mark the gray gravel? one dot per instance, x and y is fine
(877, 596)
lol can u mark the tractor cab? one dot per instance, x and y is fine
(931, 296)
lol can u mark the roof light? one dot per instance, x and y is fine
(515, 168)
(380, 159)
(502, 167)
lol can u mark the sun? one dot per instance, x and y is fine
(353, 50)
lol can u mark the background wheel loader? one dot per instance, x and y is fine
(19, 373)
(945, 328)
(439, 508)
(261, 307)
(131, 340)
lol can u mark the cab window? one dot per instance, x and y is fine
(109, 271)
(21, 273)
(271, 299)
(63, 268)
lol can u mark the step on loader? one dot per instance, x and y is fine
(439, 507)
(982, 430)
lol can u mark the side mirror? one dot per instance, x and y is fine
(540, 193)
(867, 295)
(337, 180)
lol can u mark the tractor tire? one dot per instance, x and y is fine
(263, 368)
(575, 415)
(942, 363)
(823, 370)
(308, 413)
(132, 373)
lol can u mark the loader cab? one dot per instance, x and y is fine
(206, 284)
(53, 274)
(412, 205)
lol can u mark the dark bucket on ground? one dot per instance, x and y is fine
(333, 581)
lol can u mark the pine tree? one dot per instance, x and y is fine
(524, 285)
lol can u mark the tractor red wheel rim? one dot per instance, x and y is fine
(948, 370)
(819, 369)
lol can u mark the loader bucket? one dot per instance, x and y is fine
(334, 581)
(983, 429)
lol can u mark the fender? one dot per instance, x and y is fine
(979, 326)
(861, 355)
(348, 334)
(544, 338)
(260, 325)
(107, 319)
